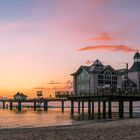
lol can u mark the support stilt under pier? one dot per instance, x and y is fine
(34, 105)
(109, 109)
(3, 104)
(62, 108)
(72, 107)
(99, 109)
(11, 105)
(82, 107)
(131, 109)
(78, 107)
(19, 105)
(89, 107)
(104, 109)
(92, 108)
(121, 109)
(45, 105)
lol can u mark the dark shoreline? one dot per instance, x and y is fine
(105, 130)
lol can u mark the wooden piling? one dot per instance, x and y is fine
(11, 105)
(109, 109)
(82, 107)
(34, 105)
(78, 107)
(3, 104)
(131, 109)
(19, 105)
(89, 107)
(92, 108)
(99, 110)
(121, 109)
(45, 105)
(62, 107)
(72, 107)
(104, 109)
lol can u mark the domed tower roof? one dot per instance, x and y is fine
(136, 65)
(137, 55)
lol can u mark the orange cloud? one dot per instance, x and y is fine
(122, 48)
(103, 37)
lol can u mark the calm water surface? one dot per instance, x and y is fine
(27, 117)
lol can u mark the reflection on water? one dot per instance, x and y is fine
(31, 118)
(27, 117)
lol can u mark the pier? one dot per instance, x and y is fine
(41, 103)
(106, 101)
(103, 112)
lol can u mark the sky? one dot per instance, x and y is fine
(43, 41)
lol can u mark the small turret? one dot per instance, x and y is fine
(137, 57)
(136, 65)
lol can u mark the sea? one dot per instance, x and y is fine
(27, 117)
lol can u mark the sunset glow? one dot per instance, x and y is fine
(43, 41)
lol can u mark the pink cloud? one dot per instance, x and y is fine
(114, 48)
(103, 37)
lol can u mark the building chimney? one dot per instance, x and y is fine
(126, 66)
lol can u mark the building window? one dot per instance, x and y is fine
(107, 78)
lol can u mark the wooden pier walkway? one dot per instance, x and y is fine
(90, 99)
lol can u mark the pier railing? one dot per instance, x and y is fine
(87, 94)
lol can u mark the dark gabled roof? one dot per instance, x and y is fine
(19, 94)
(110, 68)
(97, 66)
(80, 69)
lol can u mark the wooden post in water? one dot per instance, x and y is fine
(19, 105)
(89, 107)
(121, 109)
(99, 110)
(72, 107)
(92, 108)
(62, 108)
(109, 109)
(131, 109)
(78, 107)
(3, 104)
(11, 105)
(82, 107)
(104, 109)
(34, 105)
(45, 105)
